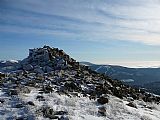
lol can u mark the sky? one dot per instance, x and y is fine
(119, 32)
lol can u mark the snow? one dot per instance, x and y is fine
(128, 80)
(8, 110)
(98, 68)
(13, 61)
(9, 61)
(82, 108)
(107, 67)
(79, 108)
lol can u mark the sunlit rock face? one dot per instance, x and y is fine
(47, 59)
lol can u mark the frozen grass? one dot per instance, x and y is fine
(79, 108)
(83, 108)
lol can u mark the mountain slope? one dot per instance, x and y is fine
(49, 84)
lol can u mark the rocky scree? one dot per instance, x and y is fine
(52, 70)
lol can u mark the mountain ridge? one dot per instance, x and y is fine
(140, 77)
(49, 77)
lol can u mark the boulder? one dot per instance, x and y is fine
(63, 118)
(2, 75)
(19, 105)
(130, 99)
(102, 111)
(61, 113)
(131, 104)
(21, 118)
(117, 93)
(49, 113)
(31, 103)
(40, 77)
(47, 89)
(31, 83)
(102, 100)
(2, 100)
(47, 69)
(13, 92)
(61, 61)
(46, 56)
(71, 86)
(40, 98)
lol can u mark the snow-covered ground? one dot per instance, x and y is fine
(78, 108)
(82, 108)
(9, 108)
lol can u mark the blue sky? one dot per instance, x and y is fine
(124, 32)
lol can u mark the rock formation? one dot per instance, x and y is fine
(52, 70)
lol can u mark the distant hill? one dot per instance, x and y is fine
(87, 63)
(144, 77)
(7, 66)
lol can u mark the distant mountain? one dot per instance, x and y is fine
(153, 87)
(9, 65)
(144, 77)
(87, 63)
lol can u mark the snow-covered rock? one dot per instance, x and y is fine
(38, 70)
(47, 69)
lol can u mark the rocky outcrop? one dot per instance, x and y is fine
(102, 111)
(51, 114)
(31, 103)
(2, 75)
(102, 100)
(47, 59)
(51, 69)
